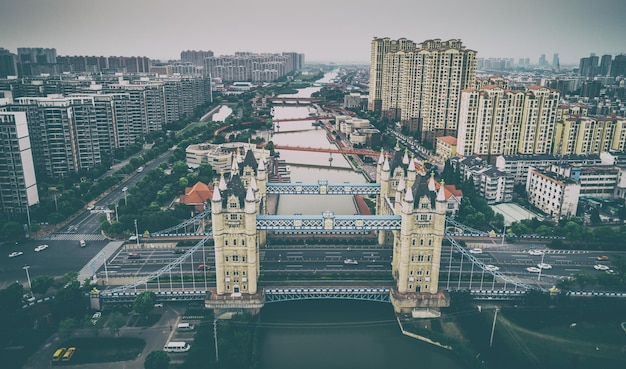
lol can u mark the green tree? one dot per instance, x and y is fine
(582, 279)
(66, 327)
(116, 321)
(157, 360)
(41, 284)
(144, 303)
(12, 231)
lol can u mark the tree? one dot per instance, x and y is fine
(116, 321)
(157, 360)
(12, 231)
(41, 284)
(144, 303)
(66, 327)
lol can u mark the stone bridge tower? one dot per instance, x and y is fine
(408, 192)
(235, 206)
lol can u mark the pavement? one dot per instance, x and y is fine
(155, 336)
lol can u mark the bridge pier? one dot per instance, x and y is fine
(424, 305)
(234, 303)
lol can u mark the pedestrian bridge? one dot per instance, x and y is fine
(289, 294)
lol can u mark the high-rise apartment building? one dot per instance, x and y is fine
(590, 135)
(421, 87)
(8, 63)
(18, 185)
(618, 66)
(588, 67)
(246, 66)
(494, 121)
(195, 57)
(379, 48)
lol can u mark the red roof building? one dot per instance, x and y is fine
(197, 196)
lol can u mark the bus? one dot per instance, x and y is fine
(176, 347)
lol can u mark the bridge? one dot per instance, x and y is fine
(346, 151)
(410, 221)
(313, 117)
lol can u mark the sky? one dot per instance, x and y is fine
(337, 31)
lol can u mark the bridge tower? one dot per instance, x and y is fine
(417, 245)
(235, 206)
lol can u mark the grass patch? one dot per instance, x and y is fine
(104, 349)
(191, 126)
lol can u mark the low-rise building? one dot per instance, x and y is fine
(517, 165)
(446, 147)
(553, 194)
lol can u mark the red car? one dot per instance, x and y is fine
(203, 267)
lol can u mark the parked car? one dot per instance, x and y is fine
(15, 253)
(41, 248)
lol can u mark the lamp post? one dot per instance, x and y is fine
(136, 232)
(503, 235)
(541, 266)
(30, 287)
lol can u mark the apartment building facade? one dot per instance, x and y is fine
(18, 184)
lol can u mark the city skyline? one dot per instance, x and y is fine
(325, 31)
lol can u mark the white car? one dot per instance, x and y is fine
(15, 253)
(600, 267)
(491, 268)
(544, 266)
(533, 269)
(476, 251)
(535, 252)
(41, 248)
(350, 262)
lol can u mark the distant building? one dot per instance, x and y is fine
(517, 166)
(195, 57)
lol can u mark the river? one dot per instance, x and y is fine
(330, 333)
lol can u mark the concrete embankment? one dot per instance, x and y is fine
(421, 338)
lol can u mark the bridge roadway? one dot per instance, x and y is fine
(347, 151)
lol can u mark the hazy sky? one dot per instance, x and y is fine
(324, 30)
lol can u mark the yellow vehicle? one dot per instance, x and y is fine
(68, 354)
(58, 353)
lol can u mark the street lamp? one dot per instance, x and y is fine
(136, 232)
(541, 266)
(30, 287)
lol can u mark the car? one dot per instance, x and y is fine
(476, 251)
(602, 258)
(91, 207)
(68, 354)
(533, 269)
(158, 305)
(179, 251)
(134, 255)
(124, 189)
(82, 243)
(350, 262)
(95, 317)
(15, 253)
(203, 267)
(544, 266)
(140, 169)
(600, 267)
(41, 248)
(535, 252)
(58, 354)
(491, 268)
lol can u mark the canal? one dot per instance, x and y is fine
(331, 333)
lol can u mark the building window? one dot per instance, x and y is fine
(243, 242)
(225, 242)
(235, 258)
(226, 258)
(235, 242)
